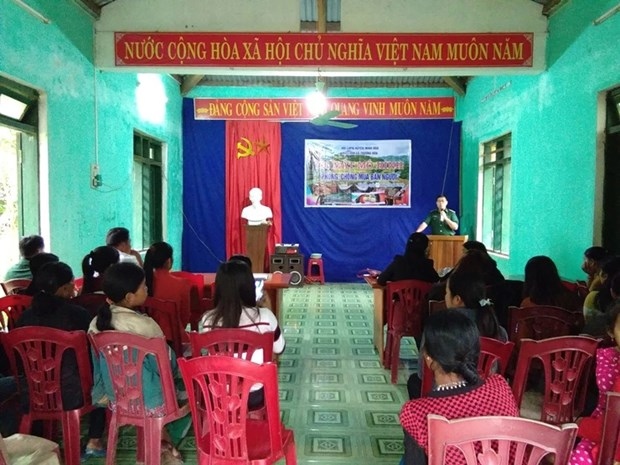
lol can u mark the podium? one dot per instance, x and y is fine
(255, 245)
(445, 250)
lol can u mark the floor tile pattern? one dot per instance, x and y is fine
(334, 392)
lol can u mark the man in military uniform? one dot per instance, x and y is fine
(442, 220)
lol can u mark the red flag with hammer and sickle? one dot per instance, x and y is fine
(252, 160)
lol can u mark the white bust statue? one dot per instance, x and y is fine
(257, 213)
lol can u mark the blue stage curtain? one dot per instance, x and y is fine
(351, 239)
(204, 164)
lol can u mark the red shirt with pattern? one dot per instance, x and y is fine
(492, 397)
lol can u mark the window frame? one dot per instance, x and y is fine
(148, 224)
(488, 160)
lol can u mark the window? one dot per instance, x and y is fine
(494, 195)
(19, 168)
(147, 162)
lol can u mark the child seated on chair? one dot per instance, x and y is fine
(125, 286)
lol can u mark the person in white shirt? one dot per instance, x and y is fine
(257, 213)
(235, 307)
(120, 240)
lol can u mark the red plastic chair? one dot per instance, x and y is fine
(405, 301)
(494, 358)
(40, 351)
(165, 313)
(610, 440)
(11, 307)
(498, 441)
(232, 342)
(12, 286)
(125, 354)
(542, 322)
(566, 362)
(91, 302)
(196, 280)
(78, 283)
(224, 433)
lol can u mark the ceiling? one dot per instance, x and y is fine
(320, 16)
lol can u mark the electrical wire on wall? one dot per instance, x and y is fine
(445, 173)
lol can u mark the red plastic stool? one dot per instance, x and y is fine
(315, 270)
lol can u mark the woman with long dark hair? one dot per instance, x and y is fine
(163, 285)
(94, 265)
(450, 348)
(543, 286)
(414, 264)
(235, 307)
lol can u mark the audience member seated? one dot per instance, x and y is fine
(607, 379)
(94, 265)
(120, 240)
(466, 292)
(124, 284)
(262, 299)
(593, 259)
(162, 285)
(51, 307)
(415, 264)
(29, 246)
(488, 267)
(597, 303)
(235, 307)
(473, 261)
(36, 263)
(543, 286)
(450, 348)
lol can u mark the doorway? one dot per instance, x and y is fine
(611, 186)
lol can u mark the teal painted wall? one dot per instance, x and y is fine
(57, 59)
(553, 120)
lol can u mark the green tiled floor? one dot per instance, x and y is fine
(339, 400)
(334, 393)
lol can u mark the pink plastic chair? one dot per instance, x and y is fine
(14, 285)
(224, 433)
(125, 355)
(40, 351)
(233, 342)
(566, 361)
(91, 302)
(11, 307)
(497, 441)
(405, 302)
(165, 313)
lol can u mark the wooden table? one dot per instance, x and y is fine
(378, 294)
(274, 284)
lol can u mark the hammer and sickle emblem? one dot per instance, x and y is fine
(246, 150)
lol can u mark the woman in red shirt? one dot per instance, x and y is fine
(162, 285)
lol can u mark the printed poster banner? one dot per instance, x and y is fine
(357, 173)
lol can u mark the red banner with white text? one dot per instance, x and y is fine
(284, 50)
(291, 109)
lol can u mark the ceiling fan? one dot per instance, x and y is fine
(326, 119)
(317, 103)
